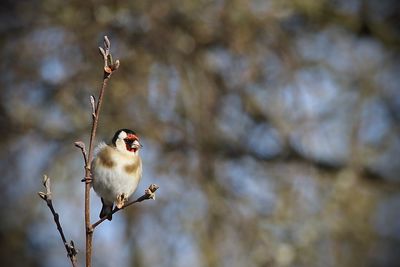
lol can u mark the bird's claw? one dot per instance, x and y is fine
(120, 202)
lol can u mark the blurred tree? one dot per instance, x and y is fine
(270, 126)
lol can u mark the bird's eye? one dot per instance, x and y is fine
(129, 141)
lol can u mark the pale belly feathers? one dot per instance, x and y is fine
(111, 182)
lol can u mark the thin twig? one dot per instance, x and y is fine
(149, 193)
(109, 67)
(81, 145)
(69, 247)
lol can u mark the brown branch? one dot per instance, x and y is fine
(109, 67)
(69, 247)
(149, 193)
(81, 145)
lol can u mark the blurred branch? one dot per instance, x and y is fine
(69, 247)
(149, 193)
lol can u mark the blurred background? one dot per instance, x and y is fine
(272, 128)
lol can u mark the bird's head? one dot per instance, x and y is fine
(126, 140)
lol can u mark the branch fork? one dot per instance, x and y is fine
(47, 197)
(109, 67)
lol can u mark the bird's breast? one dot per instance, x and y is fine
(116, 173)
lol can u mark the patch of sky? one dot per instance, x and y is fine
(24, 95)
(154, 235)
(327, 141)
(314, 92)
(272, 69)
(56, 54)
(231, 67)
(264, 140)
(34, 154)
(164, 84)
(55, 119)
(49, 38)
(341, 51)
(247, 179)
(375, 122)
(232, 120)
(53, 70)
(186, 251)
(44, 239)
(111, 237)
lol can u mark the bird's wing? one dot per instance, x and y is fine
(99, 147)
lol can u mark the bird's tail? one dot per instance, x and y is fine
(106, 210)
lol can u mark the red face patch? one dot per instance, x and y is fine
(129, 141)
(132, 137)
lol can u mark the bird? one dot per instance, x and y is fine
(116, 170)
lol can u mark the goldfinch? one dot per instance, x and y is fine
(117, 170)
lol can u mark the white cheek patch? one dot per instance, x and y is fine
(122, 135)
(120, 144)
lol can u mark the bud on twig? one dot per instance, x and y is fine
(151, 191)
(109, 64)
(93, 105)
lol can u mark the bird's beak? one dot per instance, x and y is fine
(136, 144)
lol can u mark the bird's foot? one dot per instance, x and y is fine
(121, 199)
